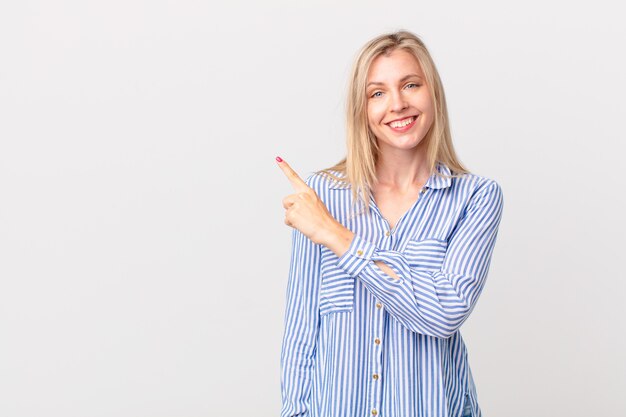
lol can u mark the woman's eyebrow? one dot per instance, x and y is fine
(406, 77)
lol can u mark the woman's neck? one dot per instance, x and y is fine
(401, 171)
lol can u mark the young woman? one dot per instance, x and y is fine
(390, 252)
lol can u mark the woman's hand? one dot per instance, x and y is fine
(306, 211)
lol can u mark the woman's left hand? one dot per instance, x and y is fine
(305, 210)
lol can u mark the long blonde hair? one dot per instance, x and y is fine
(358, 167)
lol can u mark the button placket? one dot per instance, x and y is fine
(378, 329)
(376, 387)
(386, 242)
(378, 324)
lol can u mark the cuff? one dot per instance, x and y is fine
(357, 256)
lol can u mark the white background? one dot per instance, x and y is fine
(143, 254)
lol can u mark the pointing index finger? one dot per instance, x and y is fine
(297, 182)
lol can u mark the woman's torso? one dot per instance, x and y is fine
(367, 363)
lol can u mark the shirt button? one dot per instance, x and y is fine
(374, 412)
(375, 376)
(387, 233)
(379, 306)
(359, 252)
(377, 341)
(423, 191)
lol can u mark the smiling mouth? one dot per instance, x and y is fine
(403, 124)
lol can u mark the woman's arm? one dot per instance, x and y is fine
(301, 326)
(433, 303)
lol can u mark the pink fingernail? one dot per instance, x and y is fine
(279, 159)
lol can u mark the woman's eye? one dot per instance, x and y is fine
(417, 85)
(374, 95)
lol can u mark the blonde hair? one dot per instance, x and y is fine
(358, 167)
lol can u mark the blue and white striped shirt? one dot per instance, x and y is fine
(358, 342)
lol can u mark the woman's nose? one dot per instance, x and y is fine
(398, 102)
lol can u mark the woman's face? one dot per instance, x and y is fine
(400, 110)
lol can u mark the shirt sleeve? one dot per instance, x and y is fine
(299, 344)
(427, 301)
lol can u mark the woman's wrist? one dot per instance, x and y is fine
(337, 238)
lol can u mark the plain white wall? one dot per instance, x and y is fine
(144, 257)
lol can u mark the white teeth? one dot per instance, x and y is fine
(402, 123)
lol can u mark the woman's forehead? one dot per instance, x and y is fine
(398, 65)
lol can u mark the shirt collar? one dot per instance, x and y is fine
(434, 181)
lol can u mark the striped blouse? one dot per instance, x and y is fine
(358, 342)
